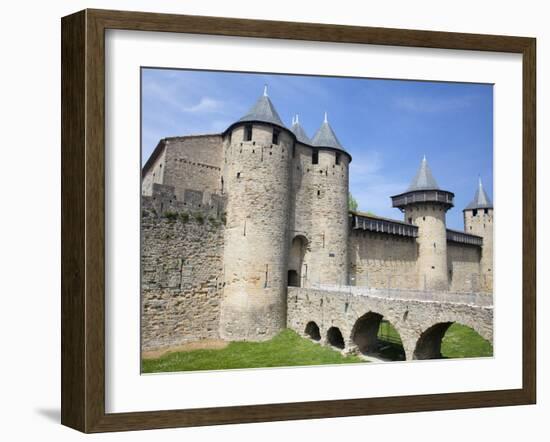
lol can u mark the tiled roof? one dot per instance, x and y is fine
(481, 200)
(325, 137)
(264, 111)
(299, 131)
(424, 179)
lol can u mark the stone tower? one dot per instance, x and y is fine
(478, 220)
(425, 205)
(256, 178)
(329, 210)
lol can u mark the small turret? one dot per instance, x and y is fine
(329, 180)
(299, 131)
(325, 136)
(425, 205)
(256, 177)
(263, 111)
(481, 200)
(478, 220)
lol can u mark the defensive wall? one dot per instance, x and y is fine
(181, 268)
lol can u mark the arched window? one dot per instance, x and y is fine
(297, 267)
(315, 157)
(276, 133)
(248, 132)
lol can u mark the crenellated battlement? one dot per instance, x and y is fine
(164, 200)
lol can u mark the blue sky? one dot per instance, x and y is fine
(386, 125)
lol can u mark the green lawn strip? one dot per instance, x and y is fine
(459, 342)
(284, 350)
(463, 342)
(387, 332)
(390, 346)
(289, 349)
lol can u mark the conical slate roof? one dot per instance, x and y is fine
(263, 111)
(325, 137)
(481, 200)
(424, 180)
(299, 131)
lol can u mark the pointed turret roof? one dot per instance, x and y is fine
(264, 111)
(481, 200)
(424, 180)
(325, 137)
(299, 131)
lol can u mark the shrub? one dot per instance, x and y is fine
(184, 217)
(171, 216)
(214, 221)
(199, 217)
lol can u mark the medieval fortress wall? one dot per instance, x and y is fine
(380, 260)
(181, 273)
(231, 220)
(192, 162)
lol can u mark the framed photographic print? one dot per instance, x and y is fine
(269, 220)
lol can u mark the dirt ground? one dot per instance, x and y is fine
(206, 344)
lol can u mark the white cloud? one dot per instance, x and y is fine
(179, 98)
(206, 104)
(432, 104)
(371, 187)
(366, 163)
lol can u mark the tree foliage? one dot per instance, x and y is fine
(352, 202)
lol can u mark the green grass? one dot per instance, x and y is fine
(391, 347)
(459, 342)
(284, 350)
(289, 349)
(463, 342)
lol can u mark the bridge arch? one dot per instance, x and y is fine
(428, 345)
(312, 330)
(366, 334)
(335, 338)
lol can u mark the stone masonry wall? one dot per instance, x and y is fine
(182, 276)
(432, 244)
(193, 162)
(163, 200)
(318, 212)
(380, 260)
(482, 224)
(155, 173)
(464, 267)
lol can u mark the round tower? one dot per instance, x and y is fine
(256, 180)
(329, 208)
(425, 205)
(478, 220)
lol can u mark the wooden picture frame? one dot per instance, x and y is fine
(83, 220)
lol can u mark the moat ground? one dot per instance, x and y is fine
(289, 349)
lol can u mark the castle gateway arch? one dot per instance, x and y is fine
(297, 262)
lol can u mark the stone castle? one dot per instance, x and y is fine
(231, 222)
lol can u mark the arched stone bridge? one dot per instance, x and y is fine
(349, 317)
